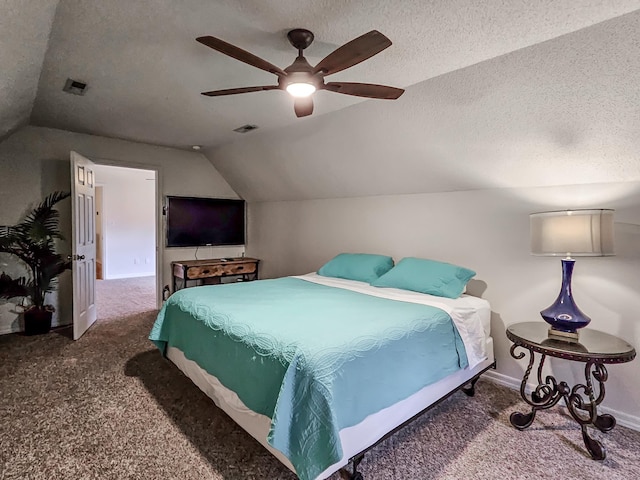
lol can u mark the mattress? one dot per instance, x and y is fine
(328, 383)
(354, 439)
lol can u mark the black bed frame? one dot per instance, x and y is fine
(356, 459)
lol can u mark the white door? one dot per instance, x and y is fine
(83, 226)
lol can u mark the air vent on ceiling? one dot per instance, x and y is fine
(245, 128)
(75, 87)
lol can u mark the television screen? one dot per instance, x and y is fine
(194, 222)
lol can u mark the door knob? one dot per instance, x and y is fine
(80, 257)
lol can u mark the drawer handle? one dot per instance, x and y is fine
(240, 267)
(206, 271)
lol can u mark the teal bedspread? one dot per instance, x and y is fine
(314, 359)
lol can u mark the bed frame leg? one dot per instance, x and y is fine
(356, 475)
(470, 391)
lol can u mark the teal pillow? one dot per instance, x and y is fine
(426, 276)
(364, 267)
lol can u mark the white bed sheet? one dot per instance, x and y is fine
(471, 315)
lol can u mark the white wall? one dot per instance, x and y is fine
(485, 230)
(129, 216)
(479, 149)
(35, 161)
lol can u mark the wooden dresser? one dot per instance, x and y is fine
(210, 271)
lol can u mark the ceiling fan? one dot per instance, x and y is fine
(300, 79)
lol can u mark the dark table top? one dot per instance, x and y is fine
(592, 345)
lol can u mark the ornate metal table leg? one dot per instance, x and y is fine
(585, 411)
(605, 422)
(521, 420)
(545, 395)
(581, 401)
(595, 448)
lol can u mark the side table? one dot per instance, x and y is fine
(594, 349)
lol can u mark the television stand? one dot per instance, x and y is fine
(211, 271)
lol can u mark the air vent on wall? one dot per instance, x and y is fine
(75, 87)
(245, 128)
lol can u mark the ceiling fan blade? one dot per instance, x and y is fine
(354, 52)
(369, 90)
(240, 54)
(303, 106)
(233, 91)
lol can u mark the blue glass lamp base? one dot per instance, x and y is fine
(564, 315)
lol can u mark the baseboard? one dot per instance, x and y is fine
(130, 275)
(504, 380)
(624, 419)
(6, 331)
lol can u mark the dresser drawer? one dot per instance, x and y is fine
(210, 271)
(220, 270)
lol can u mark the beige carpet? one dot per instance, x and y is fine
(126, 296)
(110, 407)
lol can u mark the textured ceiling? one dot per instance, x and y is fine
(145, 70)
(24, 32)
(565, 111)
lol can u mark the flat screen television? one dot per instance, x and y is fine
(199, 221)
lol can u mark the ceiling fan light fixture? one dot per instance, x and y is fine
(300, 79)
(301, 89)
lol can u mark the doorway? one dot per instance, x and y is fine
(126, 241)
(99, 252)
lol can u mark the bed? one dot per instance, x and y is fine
(319, 369)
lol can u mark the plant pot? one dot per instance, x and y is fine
(37, 321)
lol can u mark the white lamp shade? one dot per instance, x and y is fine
(572, 233)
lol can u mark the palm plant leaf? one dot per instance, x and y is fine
(13, 241)
(33, 242)
(15, 287)
(41, 224)
(51, 267)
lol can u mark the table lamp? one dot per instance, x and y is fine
(580, 233)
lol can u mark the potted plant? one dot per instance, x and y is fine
(33, 242)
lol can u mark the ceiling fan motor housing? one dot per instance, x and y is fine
(300, 38)
(299, 72)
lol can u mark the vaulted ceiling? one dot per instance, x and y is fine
(25, 26)
(561, 112)
(145, 71)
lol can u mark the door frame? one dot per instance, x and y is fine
(158, 207)
(100, 221)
